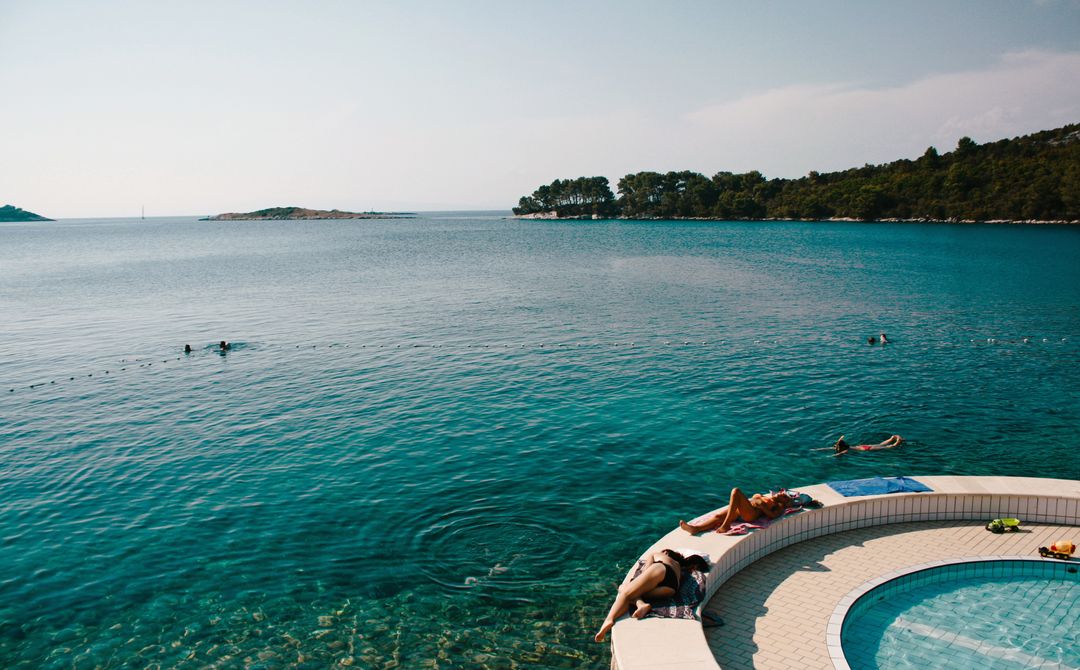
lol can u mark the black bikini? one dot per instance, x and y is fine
(670, 578)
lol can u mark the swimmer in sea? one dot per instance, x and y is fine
(883, 339)
(871, 340)
(224, 346)
(841, 447)
(187, 348)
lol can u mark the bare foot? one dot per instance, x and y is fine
(608, 623)
(643, 608)
(693, 530)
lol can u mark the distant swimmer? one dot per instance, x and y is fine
(841, 447)
(187, 348)
(224, 346)
(884, 340)
(871, 340)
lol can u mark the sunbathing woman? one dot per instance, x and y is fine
(741, 507)
(659, 580)
(842, 447)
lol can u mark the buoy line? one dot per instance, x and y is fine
(145, 362)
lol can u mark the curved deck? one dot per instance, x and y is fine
(682, 644)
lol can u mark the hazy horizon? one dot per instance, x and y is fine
(424, 106)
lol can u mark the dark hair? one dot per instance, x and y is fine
(841, 446)
(692, 562)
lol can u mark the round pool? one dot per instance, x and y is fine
(1014, 613)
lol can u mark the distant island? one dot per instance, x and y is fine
(1029, 179)
(12, 213)
(302, 214)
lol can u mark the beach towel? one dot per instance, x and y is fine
(744, 527)
(877, 486)
(682, 606)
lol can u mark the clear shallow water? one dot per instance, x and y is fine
(313, 497)
(1000, 614)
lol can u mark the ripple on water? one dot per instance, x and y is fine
(490, 548)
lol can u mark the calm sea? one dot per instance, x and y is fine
(441, 442)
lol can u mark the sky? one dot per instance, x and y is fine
(204, 107)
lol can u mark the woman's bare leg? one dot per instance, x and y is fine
(893, 441)
(642, 607)
(738, 507)
(638, 587)
(708, 524)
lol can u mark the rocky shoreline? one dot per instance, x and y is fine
(550, 216)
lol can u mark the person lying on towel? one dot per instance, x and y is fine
(659, 580)
(741, 508)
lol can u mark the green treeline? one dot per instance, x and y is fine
(584, 196)
(1035, 177)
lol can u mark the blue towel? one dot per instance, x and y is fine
(877, 486)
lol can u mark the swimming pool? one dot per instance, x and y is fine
(1014, 613)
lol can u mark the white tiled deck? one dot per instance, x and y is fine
(671, 644)
(776, 611)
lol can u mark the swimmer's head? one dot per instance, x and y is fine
(841, 446)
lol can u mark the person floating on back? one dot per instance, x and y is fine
(841, 447)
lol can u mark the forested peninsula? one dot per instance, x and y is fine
(1034, 178)
(302, 214)
(13, 213)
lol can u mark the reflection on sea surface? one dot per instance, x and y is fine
(441, 442)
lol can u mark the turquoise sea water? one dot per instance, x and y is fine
(433, 444)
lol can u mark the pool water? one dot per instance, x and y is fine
(986, 614)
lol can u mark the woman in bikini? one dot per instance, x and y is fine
(842, 447)
(659, 580)
(740, 507)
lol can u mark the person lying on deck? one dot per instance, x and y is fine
(740, 507)
(659, 580)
